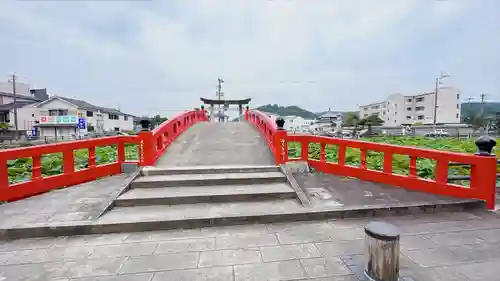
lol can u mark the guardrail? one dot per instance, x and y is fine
(483, 165)
(40, 183)
(274, 137)
(151, 145)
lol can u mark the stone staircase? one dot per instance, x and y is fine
(183, 197)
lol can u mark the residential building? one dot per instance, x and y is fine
(400, 109)
(24, 98)
(330, 116)
(61, 116)
(294, 123)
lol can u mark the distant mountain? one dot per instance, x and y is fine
(474, 108)
(287, 110)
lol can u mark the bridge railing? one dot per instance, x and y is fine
(153, 143)
(482, 183)
(268, 128)
(62, 172)
(36, 182)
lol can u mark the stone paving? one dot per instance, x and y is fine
(81, 203)
(352, 193)
(447, 246)
(209, 143)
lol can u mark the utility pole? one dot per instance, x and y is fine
(219, 89)
(438, 82)
(15, 106)
(482, 97)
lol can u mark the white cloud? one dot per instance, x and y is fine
(152, 56)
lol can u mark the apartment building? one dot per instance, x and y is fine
(61, 116)
(400, 109)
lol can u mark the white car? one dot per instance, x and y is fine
(438, 133)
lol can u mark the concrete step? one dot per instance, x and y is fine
(155, 171)
(208, 179)
(204, 194)
(143, 218)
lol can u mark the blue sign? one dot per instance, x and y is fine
(81, 123)
(33, 132)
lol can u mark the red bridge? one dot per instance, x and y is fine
(246, 172)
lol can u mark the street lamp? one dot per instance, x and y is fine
(438, 82)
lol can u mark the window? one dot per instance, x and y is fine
(376, 107)
(419, 99)
(116, 129)
(457, 115)
(420, 117)
(33, 115)
(58, 112)
(90, 113)
(408, 117)
(125, 117)
(113, 116)
(458, 106)
(458, 96)
(419, 108)
(409, 100)
(394, 121)
(408, 108)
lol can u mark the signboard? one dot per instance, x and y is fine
(66, 119)
(81, 123)
(81, 113)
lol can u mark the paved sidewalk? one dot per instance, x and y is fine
(441, 247)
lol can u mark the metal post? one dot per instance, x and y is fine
(435, 103)
(382, 252)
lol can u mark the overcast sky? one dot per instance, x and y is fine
(161, 56)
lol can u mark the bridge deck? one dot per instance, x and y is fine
(207, 143)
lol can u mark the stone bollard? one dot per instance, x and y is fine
(382, 252)
(485, 145)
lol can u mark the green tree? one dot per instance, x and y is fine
(352, 120)
(157, 120)
(478, 121)
(372, 120)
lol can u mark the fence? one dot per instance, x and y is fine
(482, 173)
(43, 175)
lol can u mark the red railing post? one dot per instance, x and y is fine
(4, 176)
(483, 178)
(322, 154)
(304, 150)
(280, 147)
(68, 161)
(92, 157)
(147, 148)
(121, 152)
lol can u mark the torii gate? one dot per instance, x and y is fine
(221, 116)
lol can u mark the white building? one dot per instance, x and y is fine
(60, 116)
(399, 109)
(294, 123)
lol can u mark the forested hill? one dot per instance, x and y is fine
(287, 110)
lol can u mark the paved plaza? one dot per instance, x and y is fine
(446, 246)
